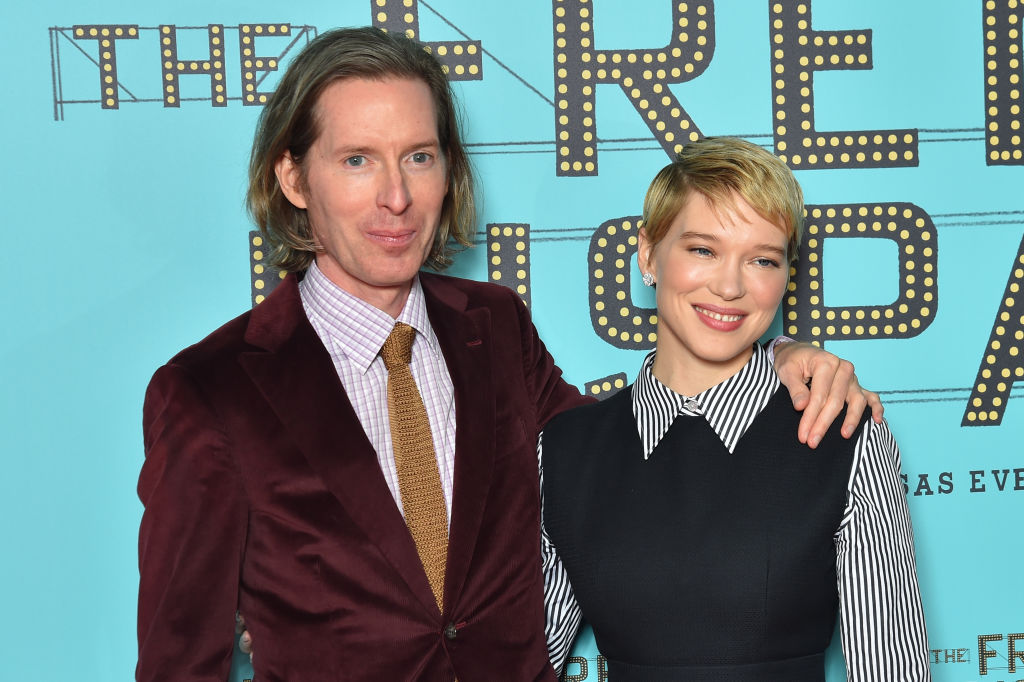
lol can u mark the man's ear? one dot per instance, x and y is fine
(289, 176)
(645, 254)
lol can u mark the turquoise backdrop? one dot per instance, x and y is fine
(127, 240)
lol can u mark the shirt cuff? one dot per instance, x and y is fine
(775, 342)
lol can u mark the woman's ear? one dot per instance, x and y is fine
(289, 177)
(645, 254)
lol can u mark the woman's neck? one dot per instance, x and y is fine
(688, 375)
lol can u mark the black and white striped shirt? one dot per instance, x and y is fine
(882, 622)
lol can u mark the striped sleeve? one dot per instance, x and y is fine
(881, 618)
(562, 614)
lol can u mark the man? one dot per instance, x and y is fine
(279, 478)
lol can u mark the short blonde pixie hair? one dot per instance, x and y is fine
(716, 167)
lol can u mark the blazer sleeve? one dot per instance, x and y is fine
(550, 393)
(191, 537)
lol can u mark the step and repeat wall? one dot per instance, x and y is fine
(127, 129)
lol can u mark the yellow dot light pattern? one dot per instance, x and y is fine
(1014, 655)
(1004, 99)
(1002, 361)
(797, 51)
(605, 387)
(983, 641)
(508, 257)
(612, 313)
(805, 315)
(643, 75)
(264, 277)
(211, 67)
(462, 59)
(106, 36)
(254, 66)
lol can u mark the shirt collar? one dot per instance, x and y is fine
(729, 407)
(356, 328)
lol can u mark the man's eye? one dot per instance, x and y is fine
(421, 157)
(355, 161)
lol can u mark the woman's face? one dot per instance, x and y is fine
(720, 278)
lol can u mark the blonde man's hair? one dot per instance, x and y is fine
(716, 168)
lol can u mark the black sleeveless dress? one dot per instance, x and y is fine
(698, 564)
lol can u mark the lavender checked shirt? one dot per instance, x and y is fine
(353, 332)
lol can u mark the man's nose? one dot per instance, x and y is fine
(393, 193)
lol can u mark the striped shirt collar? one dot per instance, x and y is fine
(355, 327)
(729, 407)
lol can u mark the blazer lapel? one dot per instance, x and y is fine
(465, 339)
(297, 378)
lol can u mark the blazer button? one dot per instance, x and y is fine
(449, 631)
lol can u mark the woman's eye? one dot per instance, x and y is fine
(421, 157)
(766, 262)
(701, 251)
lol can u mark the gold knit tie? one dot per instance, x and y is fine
(418, 477)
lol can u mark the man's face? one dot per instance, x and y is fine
(375, 181)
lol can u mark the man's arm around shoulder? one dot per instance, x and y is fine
(550, 393)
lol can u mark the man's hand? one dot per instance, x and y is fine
(832, 384)
(244, 639)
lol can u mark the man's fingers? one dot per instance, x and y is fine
(800, 397)
(796, 363)
(875, 403)
(833, 385)
(829, 392)
(856, 402)
(822, 374)
(245, 643)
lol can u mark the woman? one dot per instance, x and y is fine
(697, 535)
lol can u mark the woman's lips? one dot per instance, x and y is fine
(720, 319)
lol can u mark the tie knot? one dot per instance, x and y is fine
(397, 349)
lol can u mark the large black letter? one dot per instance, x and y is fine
(984, 653)
(462, 59)
(806, 317)
(797, 52)
(173, 68)
(612, 313)
(1003, 99)
(642, 74)
(1003, 362)
(253, 64)
(106, 35)
(508, 257)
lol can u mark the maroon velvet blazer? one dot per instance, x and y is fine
(263, 494)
